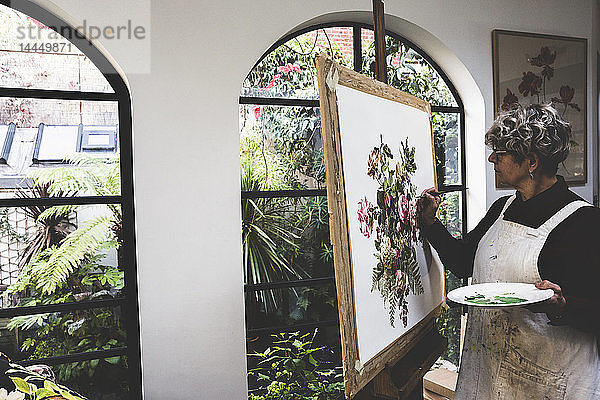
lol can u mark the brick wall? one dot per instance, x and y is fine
(58, 72)
(342, 42)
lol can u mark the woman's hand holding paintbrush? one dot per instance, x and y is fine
(427, 206)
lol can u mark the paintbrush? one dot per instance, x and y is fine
(438, 193)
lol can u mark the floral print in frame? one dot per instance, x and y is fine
(535, 68)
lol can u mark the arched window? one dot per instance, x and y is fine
(288, 263)
(67, 256)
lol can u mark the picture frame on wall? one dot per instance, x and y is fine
(537, 68)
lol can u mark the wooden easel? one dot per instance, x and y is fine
(403, 380)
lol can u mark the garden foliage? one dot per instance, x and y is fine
(72, 266)
(291, 369)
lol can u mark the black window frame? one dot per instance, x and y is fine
(129, 301)
(291, 102)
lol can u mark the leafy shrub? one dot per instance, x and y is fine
(292, 369)
(69, 268)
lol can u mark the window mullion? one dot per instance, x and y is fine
(288, 284)
(56, 94)
(446, 109)
(60, 201)
(291, 328)
(69, 358)
(278, 101)
(61, 307)
(269, 194)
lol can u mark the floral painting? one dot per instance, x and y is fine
(534, 68)
(379, 148)
(391, 220)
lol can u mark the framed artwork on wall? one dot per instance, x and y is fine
(535, 68)
(379, 157)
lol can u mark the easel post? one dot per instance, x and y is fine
(379, 28)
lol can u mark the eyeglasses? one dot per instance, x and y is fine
(497, 152)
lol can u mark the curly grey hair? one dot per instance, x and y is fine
(537, 128)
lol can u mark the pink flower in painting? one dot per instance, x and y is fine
(365, 217)
(257, 111)
(413, 222)
(396, 258)
(399, 276)
(403, 210)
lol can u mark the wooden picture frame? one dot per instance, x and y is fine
(533, 68)
(331, 78)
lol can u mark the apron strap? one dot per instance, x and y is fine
(507, 204)
(563, 214)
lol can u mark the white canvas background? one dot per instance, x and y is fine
(363, 117)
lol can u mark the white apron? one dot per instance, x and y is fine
(514, 354)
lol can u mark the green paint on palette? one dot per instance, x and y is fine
(481, 299)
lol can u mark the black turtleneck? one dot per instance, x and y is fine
(568, 258)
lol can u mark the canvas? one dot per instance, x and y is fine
(379, 158)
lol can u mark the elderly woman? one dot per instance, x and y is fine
(543, 234)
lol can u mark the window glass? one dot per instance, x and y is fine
(287, 238)
(450, 213)
(67, 254)
(282, 146)
(284, 239)
(42, 336)
(319, 353)
(301, 304)
(289, 70)
(407, 70)
(102, 379)
(49, 132)
(446, 129)
(30, 113)
(57, 65)
(449, 323)
(30, 337)
(60, 254)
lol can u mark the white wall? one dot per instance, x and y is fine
(187, 164)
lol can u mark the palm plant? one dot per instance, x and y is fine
(267, 238)
(51, 229)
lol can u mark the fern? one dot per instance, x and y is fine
(414, 277)
(72, 251)
(87, 175)
(65, 180)
(56, 212)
